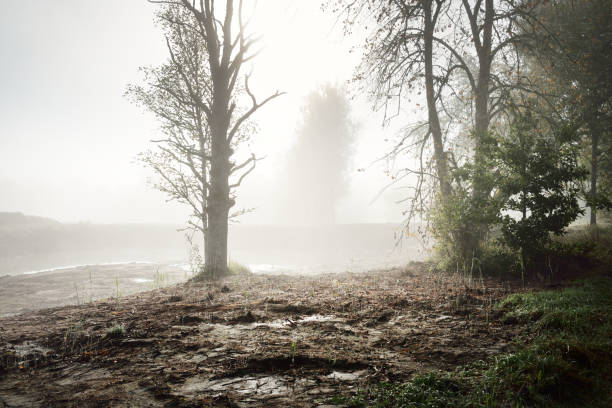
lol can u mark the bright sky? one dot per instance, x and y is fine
(68, 137)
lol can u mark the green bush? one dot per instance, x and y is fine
(499, 261)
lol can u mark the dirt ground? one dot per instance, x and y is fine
(249, 341)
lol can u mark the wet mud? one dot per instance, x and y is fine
(250, 341)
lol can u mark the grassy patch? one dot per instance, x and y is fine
(566, 364)
(233, 268)
(236, 268)
(431, 390)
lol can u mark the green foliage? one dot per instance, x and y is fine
(573, 346)
(453, 228)
(431, 390)
(576, 310)
(460, 221)
(498, 260)
(117, 331)
(579, 243)
(533, 183)
(567, 365)
(539, 181)
(574, 62)
(233, 268)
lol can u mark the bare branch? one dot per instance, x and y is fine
(254, 107)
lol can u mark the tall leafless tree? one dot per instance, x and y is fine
(173, 92)
(203, 99)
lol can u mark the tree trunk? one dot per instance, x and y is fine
(226, 54)
(215, 263)
(205, 238)
(481, 119)
(218, 210)
(481, 94)
(434, 120)
(594, 165)
(219, 201)
(205, 194)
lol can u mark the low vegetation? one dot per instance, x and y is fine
(116, 331)
(562, 360)
(233, 269)
(236, 268)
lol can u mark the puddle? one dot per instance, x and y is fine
(280, 323)
(29, 348)
(347, 376)
(26, 354)
(234, 330)
(141, 280)
(250, 384)
(319, 318)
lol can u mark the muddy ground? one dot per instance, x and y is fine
(250, 341)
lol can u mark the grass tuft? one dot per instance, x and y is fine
(236, 268)
(116, 331)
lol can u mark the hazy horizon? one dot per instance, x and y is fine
(62, 109)
(29, 244)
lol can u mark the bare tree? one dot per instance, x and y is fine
(460, 52)
(198, 98)
(173, 93)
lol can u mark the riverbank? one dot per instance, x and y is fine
(83, 284)
(256, 340)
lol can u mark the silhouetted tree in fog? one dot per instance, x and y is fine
(319, 158)
(197, 96)
(172, 92)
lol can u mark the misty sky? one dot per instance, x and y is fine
(68, 137)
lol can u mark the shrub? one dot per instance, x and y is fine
(116, 331)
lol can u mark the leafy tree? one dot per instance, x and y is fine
(534, 178)
(454, 221)
(539, 178)
(573, 51)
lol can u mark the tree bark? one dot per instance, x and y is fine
(481, 96)
(219, 200)
(434, 120)
(482, 116)
(594, 165)
(218, 210)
